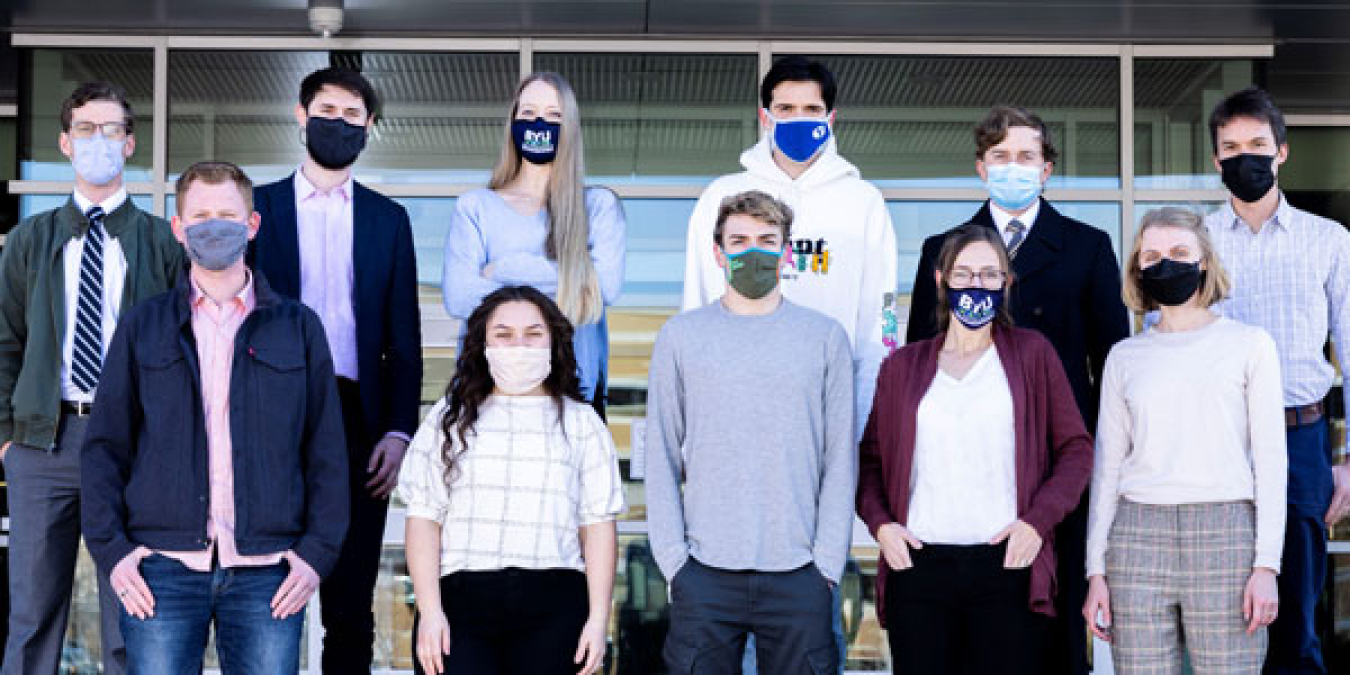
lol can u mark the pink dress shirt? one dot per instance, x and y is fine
(324, 233)
(215, 326)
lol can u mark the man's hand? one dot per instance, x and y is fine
(296, 589)
(4, 449)
(130, 587)
(1340, 499)
(384, 464)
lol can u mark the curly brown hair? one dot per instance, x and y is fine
(472, 382)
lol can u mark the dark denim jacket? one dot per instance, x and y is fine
(145, 470)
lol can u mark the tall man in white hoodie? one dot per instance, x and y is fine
(842, 258)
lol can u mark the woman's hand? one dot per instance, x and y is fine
(1023, 544)
(1261, 599)
(1098, 602)
(591, 647)
(896, 542)
(433, 641)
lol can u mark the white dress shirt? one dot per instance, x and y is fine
(1002, 218)
(114, 278)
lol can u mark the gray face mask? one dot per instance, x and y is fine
(216, 244)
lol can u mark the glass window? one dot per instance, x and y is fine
(908, 121)
(53, 74)
(667, 118)
(1317, 176)
(34, 204)
(238, 107)
(9, 204)
(1172, 102)
(441, 118)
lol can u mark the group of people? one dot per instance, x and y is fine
(222, 405)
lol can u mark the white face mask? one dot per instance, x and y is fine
(517, 370)
(97, 159)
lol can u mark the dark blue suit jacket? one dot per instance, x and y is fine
(1067, 287)
(384, 290)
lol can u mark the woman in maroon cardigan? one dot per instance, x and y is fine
(974, 452)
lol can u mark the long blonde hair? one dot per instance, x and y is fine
(569, 227)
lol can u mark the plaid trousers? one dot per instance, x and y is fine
(1177, 575)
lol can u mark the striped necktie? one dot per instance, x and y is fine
(87, 359)
(1019, 234)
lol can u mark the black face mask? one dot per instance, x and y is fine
(333, 142)
(1171, 283)
(1249, 177)
(537, 139)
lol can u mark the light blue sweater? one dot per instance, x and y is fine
(485, 229)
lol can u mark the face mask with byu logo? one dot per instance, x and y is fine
(799, 138)
(974, 307)
(537, 139)
(1012, 186)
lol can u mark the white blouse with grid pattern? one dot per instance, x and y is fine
(523, 488)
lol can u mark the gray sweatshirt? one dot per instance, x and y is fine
(763, 409)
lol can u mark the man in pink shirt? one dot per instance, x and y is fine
(346, 251)
(214, 457)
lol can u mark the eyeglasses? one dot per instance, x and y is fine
(986, 277)
(113, 131)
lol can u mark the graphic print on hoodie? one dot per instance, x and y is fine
(842, 259)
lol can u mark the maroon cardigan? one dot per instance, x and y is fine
(1054, 451)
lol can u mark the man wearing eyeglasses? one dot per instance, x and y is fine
(66, 275)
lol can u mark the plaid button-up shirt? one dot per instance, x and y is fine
(1291, 278)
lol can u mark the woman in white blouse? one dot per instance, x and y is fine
(512, 487)
(1186, 525)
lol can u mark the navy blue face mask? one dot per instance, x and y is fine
(537, 139)
(333, 142)
(974, 307)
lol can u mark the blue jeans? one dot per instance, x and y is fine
(1294, 646)
(248, 640)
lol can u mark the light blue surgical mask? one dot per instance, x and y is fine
(1013, 186)
(799, 138)
(97, 160)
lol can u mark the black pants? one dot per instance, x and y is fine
(1067, 642)
(713, 610)
(512, 621)
(347, 596)
(958, 611)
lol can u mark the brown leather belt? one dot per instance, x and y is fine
(1301, 415)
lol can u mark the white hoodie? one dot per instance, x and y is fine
(842, 258)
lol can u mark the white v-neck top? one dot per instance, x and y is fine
(964, 477)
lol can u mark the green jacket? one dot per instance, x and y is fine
(32, 305)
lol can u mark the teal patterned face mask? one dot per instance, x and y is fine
(753, 272)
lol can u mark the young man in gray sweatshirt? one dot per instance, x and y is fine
(750, 401)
